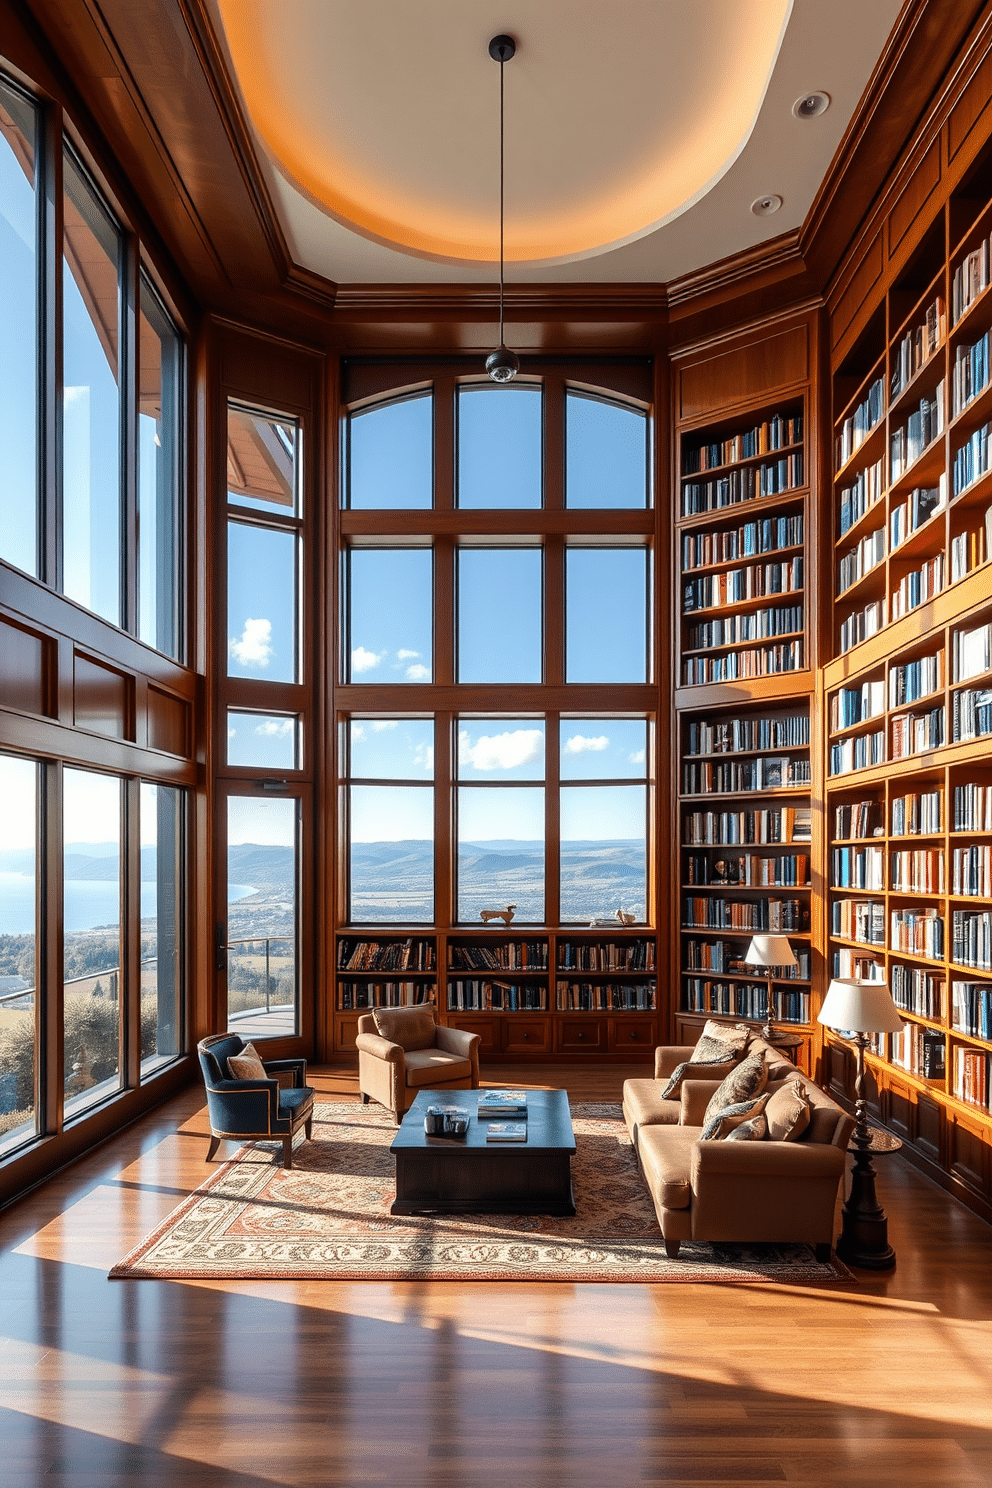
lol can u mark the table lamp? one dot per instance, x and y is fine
(770, 952)
(858, 1009)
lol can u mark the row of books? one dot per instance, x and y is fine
(744, 1000)
(917, 346)
(739, 584)
(971, 1076)
(970, 548)
(917, 812)
(972, 652)
(767, 772)
(970, 374)
(749, 540)
(746, 484)
(861, 559)
(862, 920)
(916, 733)
(918, 870)
(915, 679)
(595, 997)
(915, 511)
(773, 434)
(386, 955)
(917, 991)
(384, 994)
(857, 498)
(972, 714)
(971, 1008)
(971, 938)
(917, 932)
(852, 705)
(508, 997)
(759, 625)
(732, 735)
(637, 955)
(920, 1052)
(971, 871)
(917, 587)
(971, 461)
(859, 625)
(857, 753)
(735, 666)
(855, 965)
(514, 955)
(745, 914)
(744, 828)
(857, 819)
(719, 956)
(859, 424)
(971, 279)
(924, 425)
(972, 807)
(782, 871)
(857, 868)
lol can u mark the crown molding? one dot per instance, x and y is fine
(524, 302)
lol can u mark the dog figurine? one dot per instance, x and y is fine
(506, 915)
(625, 917)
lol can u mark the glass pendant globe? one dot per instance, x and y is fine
(502, 365)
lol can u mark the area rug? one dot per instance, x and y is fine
(328, 1218)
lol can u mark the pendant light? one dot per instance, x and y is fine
(501, 364)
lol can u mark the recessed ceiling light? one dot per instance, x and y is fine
(811, 105)
(766, 205)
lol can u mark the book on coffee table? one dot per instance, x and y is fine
(502, 1103)
(507, 1131)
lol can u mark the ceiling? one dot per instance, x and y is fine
(637, 135)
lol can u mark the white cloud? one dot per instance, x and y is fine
(357, 733)
(364, 661)
(276, 728)
(383, 725)
(232, 733)
(255, 644)
(637, 758)
(501, 751)
(418, 672)
(423, 756)
(582, 744)
(408, 655)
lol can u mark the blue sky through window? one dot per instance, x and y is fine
(18, 346)
(606, 454)
(499, 447)
(391, 455)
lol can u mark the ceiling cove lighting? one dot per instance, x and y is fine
(501, 364)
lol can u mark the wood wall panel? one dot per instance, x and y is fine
(968, 1154)
(862, 282)
(914, 196)
(928, 1125)
(252, 369)
(168, 722)
(26, 675)
(970, 107)
(732, 377)
(102, 698)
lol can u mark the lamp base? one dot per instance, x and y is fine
(864, 1237)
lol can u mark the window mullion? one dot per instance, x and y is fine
(552, 820)
(130, 362)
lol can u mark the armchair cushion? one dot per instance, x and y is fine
(412, 1028)
(745, 1080)
(246, 1065)
(432, 1066)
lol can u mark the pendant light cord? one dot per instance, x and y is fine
(502, 342)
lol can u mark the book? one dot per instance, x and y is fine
(507, 1131)
(503, 1103)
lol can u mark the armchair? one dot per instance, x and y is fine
(250, 1110)
(402, 1051)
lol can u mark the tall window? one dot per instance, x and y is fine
(159, 427)
(162, 842)
(263, 851)
(521, 610)
(19, 347)
(18, 958)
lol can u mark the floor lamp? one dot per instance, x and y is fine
(858, 1009)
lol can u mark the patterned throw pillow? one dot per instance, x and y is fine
(737, 1036)
(788, 1112)
(725, 1121)
(745, 1081)
(717, 1044)
(246, 1065)
(749, 1131)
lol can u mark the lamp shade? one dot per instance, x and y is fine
(860, 1007)
(770, 950)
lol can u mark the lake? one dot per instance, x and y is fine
(87, 903)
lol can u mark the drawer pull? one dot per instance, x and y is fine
(582, 1034)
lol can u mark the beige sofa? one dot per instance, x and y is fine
(736, 1191)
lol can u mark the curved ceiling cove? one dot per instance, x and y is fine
(387, 116)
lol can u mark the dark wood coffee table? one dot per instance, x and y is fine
(447, 1176)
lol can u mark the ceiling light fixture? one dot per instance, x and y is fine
(765, 206)
(811, 105)
(501, 364)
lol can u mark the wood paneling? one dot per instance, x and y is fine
(102, 698)
(766, 364)
(915, 194)
(26, 671)
(970, 107)
(862, 282)
(168, 722)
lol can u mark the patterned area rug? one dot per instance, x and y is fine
(328, 1219)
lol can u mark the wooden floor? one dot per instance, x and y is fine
(884, 1382)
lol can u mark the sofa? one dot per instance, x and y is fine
(720, 1190)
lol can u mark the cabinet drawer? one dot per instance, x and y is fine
(526, 1034)
(633, 1033)
(487, 1027)
(581, 1034)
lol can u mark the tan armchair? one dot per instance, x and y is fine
(402, 1051)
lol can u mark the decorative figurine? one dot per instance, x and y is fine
(506, 915)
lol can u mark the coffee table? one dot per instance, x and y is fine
(444, 1175)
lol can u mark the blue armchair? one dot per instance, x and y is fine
(249, 1110)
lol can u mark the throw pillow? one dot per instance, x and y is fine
(724, 1122)
(749, 1131)
(246, 1065)
(745, 1081)
(411, 1028)
(713, 1053)
(788, 1112)
(737, 1036)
